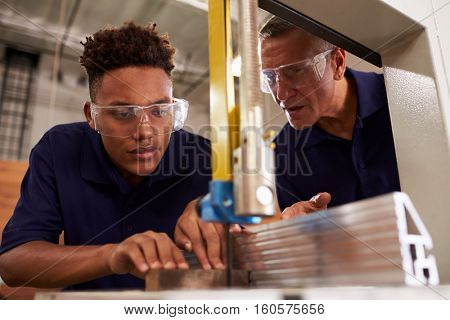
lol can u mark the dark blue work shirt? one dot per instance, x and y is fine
(72, 186)
(310, 161)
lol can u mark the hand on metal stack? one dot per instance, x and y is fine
(317, 203)
(144, 251)
(206, 239)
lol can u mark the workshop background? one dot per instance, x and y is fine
(42, 83)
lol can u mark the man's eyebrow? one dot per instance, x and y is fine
(118, 103)
(162, 100)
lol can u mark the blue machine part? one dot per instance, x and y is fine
(218, 205)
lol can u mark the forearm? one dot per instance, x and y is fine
(46, 265)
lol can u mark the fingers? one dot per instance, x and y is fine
(206, 239)
(148, 247)
(298, 209)
(137, 258)
(190, 230)
(319, 202)
(146, 251)
(170, 257)
(179, 259)
(235, 228)
(221, 231)
(290, 212)
(200, 252)
(186, 227)
(165, 253)
(213, 244)
(181, 240)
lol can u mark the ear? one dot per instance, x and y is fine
(338, 63)
(88, 115)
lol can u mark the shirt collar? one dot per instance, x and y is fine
(370, 91)
(310, 136)
(371, 96)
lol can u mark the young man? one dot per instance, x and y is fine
(115, 185)
(339, 135)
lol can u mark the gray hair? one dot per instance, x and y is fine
(275, 26)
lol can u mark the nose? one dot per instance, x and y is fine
(284, 90)
(144, 129)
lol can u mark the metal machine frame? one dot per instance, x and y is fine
(406, 40)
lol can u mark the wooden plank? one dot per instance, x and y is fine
(11, 175)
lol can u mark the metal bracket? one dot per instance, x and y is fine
(218, 205)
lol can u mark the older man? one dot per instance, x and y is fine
(338, 145)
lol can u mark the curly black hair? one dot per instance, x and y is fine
(130, 45)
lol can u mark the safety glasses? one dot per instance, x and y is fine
(124, 120)
(299, 74)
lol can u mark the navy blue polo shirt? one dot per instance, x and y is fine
(72, 186)
(310, 161)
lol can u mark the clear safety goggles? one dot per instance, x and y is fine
(299, 74)
(124, 120)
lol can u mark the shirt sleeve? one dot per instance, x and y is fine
(37, 214)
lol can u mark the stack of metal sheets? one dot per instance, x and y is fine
(378, 241)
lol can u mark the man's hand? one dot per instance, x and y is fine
(206, 239)
(319, 202)
(141, 252)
